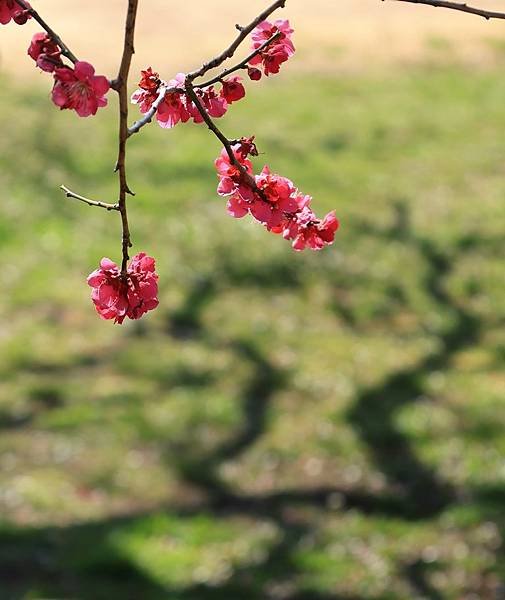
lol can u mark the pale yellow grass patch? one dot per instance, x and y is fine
(331, 34)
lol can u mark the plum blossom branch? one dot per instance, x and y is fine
(120, 85)
(271, 199)
(242, 64)
(230, 51)
(70, 194)
(65, 50)
(164, 90)
(459, 6)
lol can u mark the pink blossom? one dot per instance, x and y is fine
(231, 179)
(306, 230)
(45, 52)
(233, 89)
(272, 200)
(9, 9)
(278, 196)
(80, 89)
(116, 297)
(237, 207)
(265, 30)
(216, 106)
(172, 111)
(276, 53)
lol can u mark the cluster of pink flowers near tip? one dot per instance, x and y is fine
(117, 297)
(271, 199)
(76, 87)
(276, 53)
(10, 10)
(177, 107)
(274, 201)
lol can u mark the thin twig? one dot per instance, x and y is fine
(462, 7)
(65, 50)
(227, 144)
(230, 51)
(242, 64)
(120, 84)
(71, 194)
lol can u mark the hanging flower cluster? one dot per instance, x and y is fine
(270, 199)
(116, 296)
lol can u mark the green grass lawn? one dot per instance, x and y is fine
(317, 426)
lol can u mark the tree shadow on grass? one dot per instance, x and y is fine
(79, 561)
(374, 411)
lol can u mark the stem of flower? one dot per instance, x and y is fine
(120, 85)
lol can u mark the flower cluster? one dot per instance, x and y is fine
(116, 296)
(45, 52)
(10, 10)
(273, 55)
(75, 87)
(176, 107)
(272, 200)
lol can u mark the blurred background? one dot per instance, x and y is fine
(285, 426)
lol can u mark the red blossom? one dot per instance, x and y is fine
(116, 297)
(306, 230)
(254, 74)
(80, 89)
(45, 52)
(216, 106)
(231, 179)
(10, 9)
(148, 90)
(150, 80)
(233, 89)
(275, 53)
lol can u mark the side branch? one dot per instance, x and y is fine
(147, 118)
(462, 7)
(242, 64)
(120, 84)
(71, 194)
(65, 50)
(219, 134)
(230, 51)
